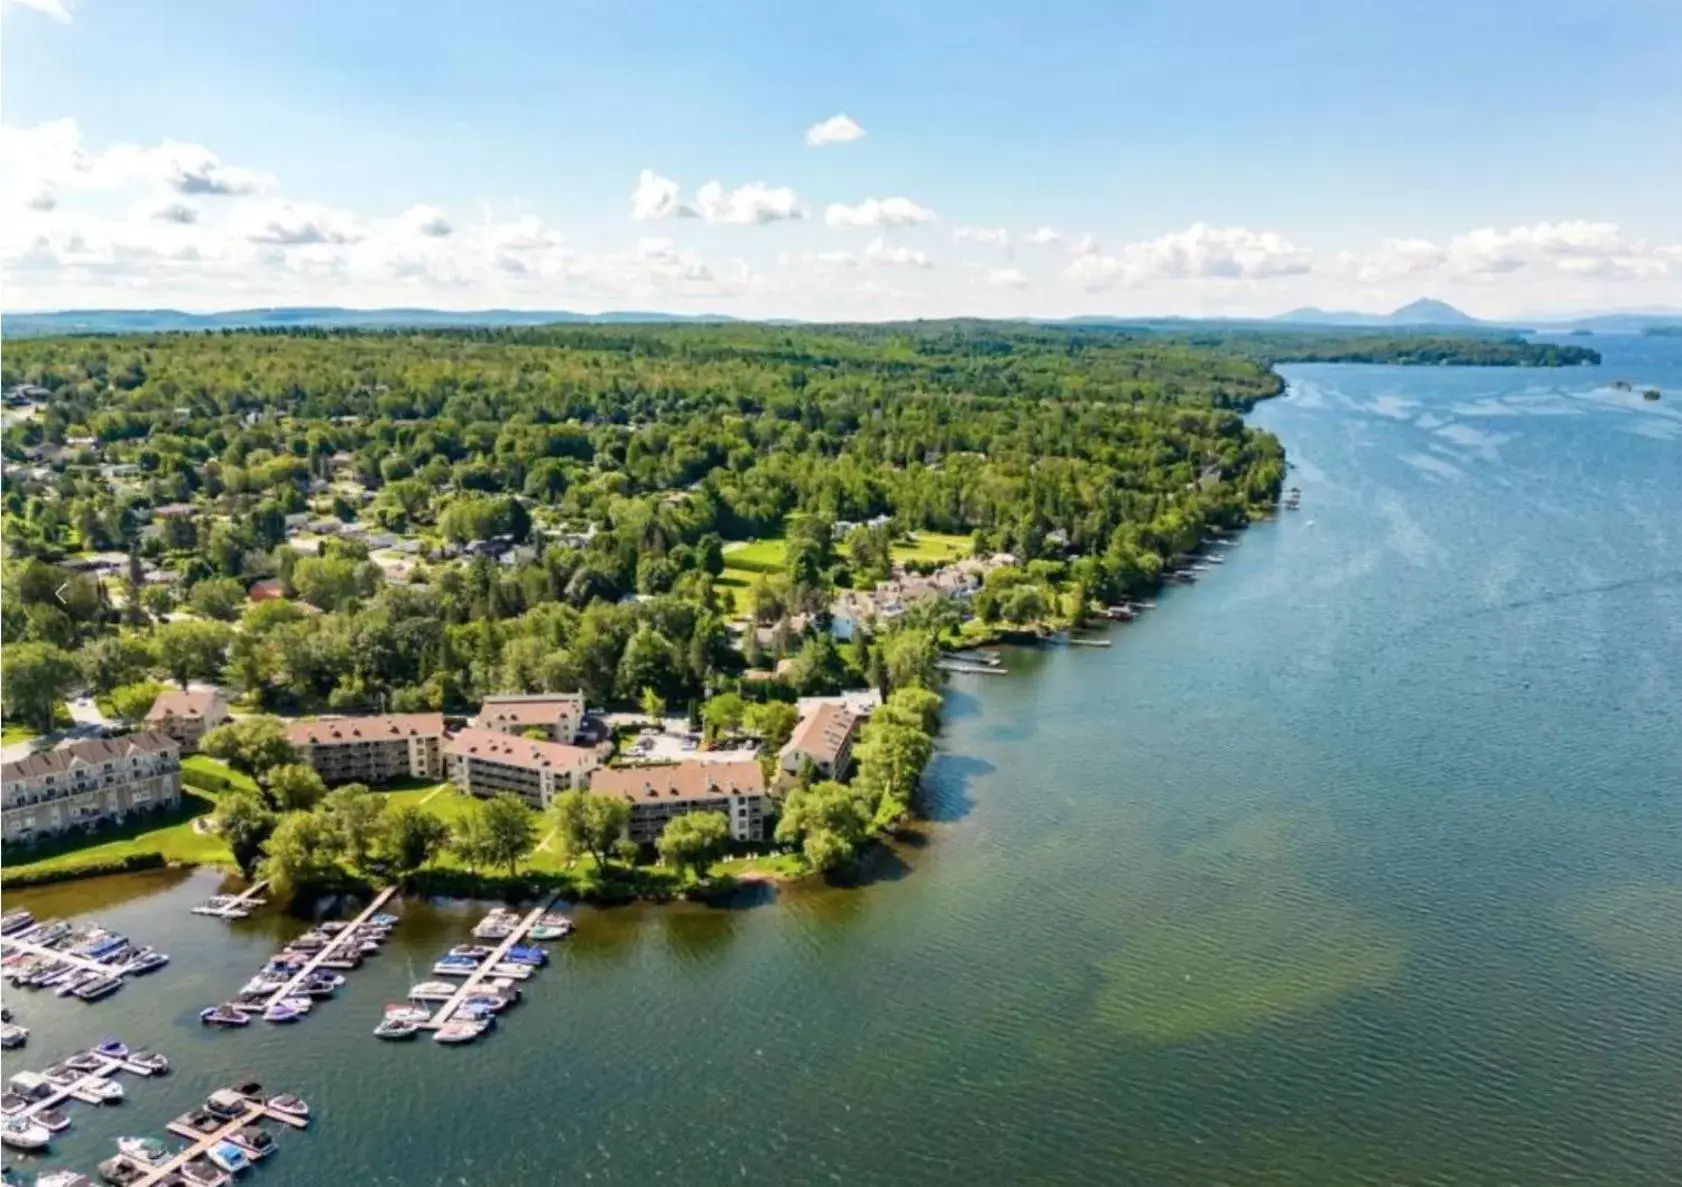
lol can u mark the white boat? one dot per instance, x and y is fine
(12, 1036)
(151, 1063)
(394, 1029)
(289, 1105)
(458, 1030)
(258, 1143)
(406, 1012)
(432, 991)
(228, 1157)
(513, 972)
(101, 1089)
(20, 1133)
(63, 1178)
(201, 1173)
(51, 1119)
(148, 1150)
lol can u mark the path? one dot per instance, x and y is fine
(236, 907)
(498, 954)
(346, 936)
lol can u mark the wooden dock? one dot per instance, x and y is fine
(202, 1142)
(962, 669)
(77, 1089)
(238, 906)
(328, 950)
(446, 1011)
(9, 944)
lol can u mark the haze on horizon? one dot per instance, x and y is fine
(1214, 158)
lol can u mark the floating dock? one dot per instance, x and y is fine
(959, 668)
(236, 906)
(202, 1142)
(498, 954)
(328, 951)
(78, 1088)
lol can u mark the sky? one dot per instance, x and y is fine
(862, 160)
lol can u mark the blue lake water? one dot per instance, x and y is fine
(1359, 862)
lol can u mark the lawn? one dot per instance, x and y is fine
(756, 556)
(16, 733)
(214, 775)
(171, 835)
(939, 547)
(443, 800)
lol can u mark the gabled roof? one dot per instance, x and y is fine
(823, 732)
(92, 752)
(510, 751)
(391, 727)
(676, 782)
(172, 702)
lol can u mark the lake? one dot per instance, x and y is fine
(1359, 862)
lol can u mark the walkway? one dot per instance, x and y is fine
(93, 966)
(75, 1089)
(202, 1142)
(498, 954)
(347, 936)
(237, 907)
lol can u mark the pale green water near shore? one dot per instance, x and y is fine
(1359, 862)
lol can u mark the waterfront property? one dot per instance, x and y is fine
(484, 762)
(89, 783)
(557, 714)
(372, 750)
(824, 737)
(186, 716)
(657, 794)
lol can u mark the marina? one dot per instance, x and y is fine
(235, 906)
(504, 964)
(86, 1077)
(85, 960)
(229, 1112)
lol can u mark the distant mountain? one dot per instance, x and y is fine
(1423, 312)
(141, 321)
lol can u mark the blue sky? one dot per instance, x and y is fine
(1192, 157)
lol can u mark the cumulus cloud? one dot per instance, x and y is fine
(878, 212)
(1008, 278)
(750, 205)
(176, 212)
(44, 162)
(303, 224)
(57, 9)
(656, 198)
(1579, 248)
(837, 129)
(879, 252)
(819, 259)
(995, 236)
(1044, 237)
(426, 221)
(1198, 252)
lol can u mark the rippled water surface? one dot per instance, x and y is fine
(1360, 862)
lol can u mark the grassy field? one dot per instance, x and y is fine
(215, 770)
(16, 733)
(939, 547)
(756, 556)
(171, 835)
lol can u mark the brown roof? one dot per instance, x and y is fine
(172, 702)
(96, 750)
(266, 590)
(531, 753)
(692, 780)
(542, 708)
(335, 731)
(823, 732)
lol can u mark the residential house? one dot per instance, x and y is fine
(87, 783)
(824, 737)
(268, 589)
(372, 750)
(558, 714)
(657, 794)
(486, 763)
(186, 716)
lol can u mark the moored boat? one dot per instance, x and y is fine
(290, 1105)
(145, 1149)
(106, 1092)
(224, 1015)
(228, 1157)
(395, 1029)
(200, 1173)
(258, 1143)
(432, 991)
(51, 1120)
(151, 1063)
(121, 1171)
(13, 1036)
(99, 987)
(459, 1030)
(111, 1048)
(20, 1133)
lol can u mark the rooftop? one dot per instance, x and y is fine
(329, 731)
(97, 750)
(172, 702)
(510, 751)
(690, 780)
(823, 732)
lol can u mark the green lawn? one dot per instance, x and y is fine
(214, 771)
(756, 556)
(932, 546)
(171, 835)
(16, 733)
(441, 799)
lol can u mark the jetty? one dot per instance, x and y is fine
(201, 1142)
(1082, 641)
(80, 1089)
(330, 950)
(12, 944)
(959, 667)
(498, 955)
(235, 906)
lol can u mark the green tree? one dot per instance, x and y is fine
(413, 837)
(301, 854)
(295, 787)
(35, 678)
(132, 702)
(254, 745)
(694, 841)
(589, 823)
(909, 658)
(357, 815)
(244, 822)
(510, 831)
(828, 821)
(470, 839)
(191, 649)
(113, 660)
(221, 598)
(723, 714)
(653, 705)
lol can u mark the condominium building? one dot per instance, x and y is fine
(86, 783)
(187, 716)
(372, 750)
(484, 762)
(824, 737)
(557, 714)
(657, 794)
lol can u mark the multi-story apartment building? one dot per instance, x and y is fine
(558, 714)
(187, 716)
(85, 783)
(372, 750)
(657, 794)
(824, 737)
(484, 762)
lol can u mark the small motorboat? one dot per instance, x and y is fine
(332, 928)
(106, 1092)
(86, 1061)
(258, 1143)
(432, 991)
(250, 1090)
(396, 1029)
(455, 966)
(495, 1003)
(121, 1171)
(111, 1048)
(512, 970)
(224, 1015)
(148, 1150)
(406, 1012)
(70, 982)
(63, 1178)
(228, 1157)
(202, 1121)
(384, 920)
(472, 951)
(63, 1074)
(151, 1063)
(526, 955)
(506, 987)
(20, 1133)
(51, 1119)
(11, 1102)
(459, 1030)
(227, 1104)
(289, 1105)
(92, 991)
(15, 921)
(547, 931)
(262, 984)
(368, 947)
(200, 1173)
(284, 1011)
(32, 1086)
(13, 1036)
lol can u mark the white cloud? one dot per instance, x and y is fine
(1009, 278)
(819, 259)
(426, 221)
(57, 9)
(1198, 252)
(996, 236)
(837, 129)
(750, 205)
(880, 253)
(878, 212)
(43, 163)
(176, 212)
(1044, 237)
(1579, 248)
(303, 224)
(657, 197)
